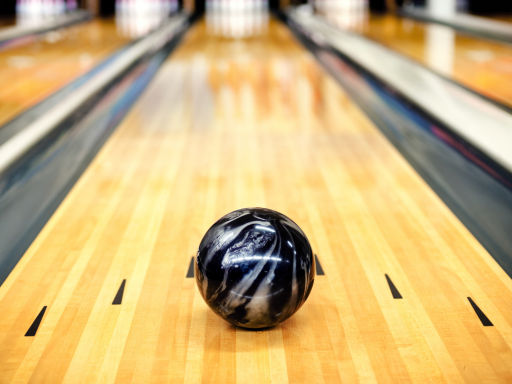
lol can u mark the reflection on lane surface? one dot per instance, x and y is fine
(237, 19)
(258, 81)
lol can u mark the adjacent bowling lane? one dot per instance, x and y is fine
(482, 65)
(255, 122)
(31, 72)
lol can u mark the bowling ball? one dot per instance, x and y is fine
(255, 268)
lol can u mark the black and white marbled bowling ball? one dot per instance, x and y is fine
(255, 268)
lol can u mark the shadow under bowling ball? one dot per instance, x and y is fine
(255, 268)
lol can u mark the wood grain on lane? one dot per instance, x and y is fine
(228, 124)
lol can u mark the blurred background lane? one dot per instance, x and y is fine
(32, 72)
(483, 65)
(35, 68)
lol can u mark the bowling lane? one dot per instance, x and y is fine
(232, 123)
(29, 73)
(479, 64)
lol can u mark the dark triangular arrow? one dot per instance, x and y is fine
(35, 325)
(190, 272)
(319, 269)
(394, 291)
(484, 319)
(119, 296)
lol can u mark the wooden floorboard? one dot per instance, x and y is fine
(228, 124)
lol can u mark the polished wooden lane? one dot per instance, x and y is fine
(482, 65)
(31, 72)
(228, 124)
